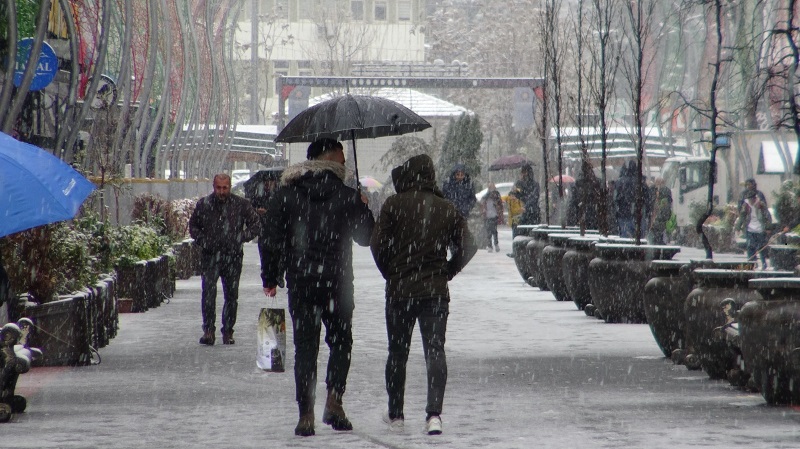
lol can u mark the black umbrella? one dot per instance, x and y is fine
(510, 162)
(254, 186)
(352, 117)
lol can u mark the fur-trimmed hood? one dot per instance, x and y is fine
(317, 179)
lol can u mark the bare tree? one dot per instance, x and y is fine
(639, 31)
(605, 62)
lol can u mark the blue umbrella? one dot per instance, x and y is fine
(36, 188)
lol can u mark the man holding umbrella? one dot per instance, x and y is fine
(312, 220)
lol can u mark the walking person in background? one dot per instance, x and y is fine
(624, 202)
(529, 194)
(415, 228)
(755, 221)
(492, 212)
(312, 220)
(459, 190)
(219, 225)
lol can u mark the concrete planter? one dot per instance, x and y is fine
(783, 257)
(552, 265)
(62, 330)
(536, 247)
(665, 296)
(617, 277)
(705, 316)
(770, 339)
(575, 268)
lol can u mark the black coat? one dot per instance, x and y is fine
(460, 193)
(222, 226)
(312, 220)
(415, 228)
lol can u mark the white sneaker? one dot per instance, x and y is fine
(395, 425)
(433, 426)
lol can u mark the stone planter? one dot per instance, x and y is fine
(552, 265)
(536, 247)
(184, 264)
(770, 339)
(783, 257)
(617, 277)
(665, 296)
(62, 330)
(521, 256)
(575, 267)
(705, 315)
(132, 288)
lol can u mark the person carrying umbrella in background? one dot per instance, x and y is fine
(415, 228)
(459, 190)
(312, 220)
(220, 224)
(492, 212)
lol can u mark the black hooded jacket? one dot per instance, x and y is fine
(312, 220)
(414, 230)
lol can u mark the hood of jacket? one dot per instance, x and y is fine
(318, 179)
(417, 173)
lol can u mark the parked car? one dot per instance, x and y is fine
(502, 187)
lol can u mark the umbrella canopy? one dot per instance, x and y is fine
(352, 117)
(370, 183)
(255, 185)
(510, 162)
(565, 179)
(36, 188)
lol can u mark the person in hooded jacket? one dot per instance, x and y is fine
(312, 220)
(459, 190)
(583, 201)
(415, 228)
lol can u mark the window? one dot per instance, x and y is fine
(380, 10)
(403, 10)
(357, 9)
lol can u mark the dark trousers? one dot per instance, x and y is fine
(756, 245)
(310, 308)
(228, 267)
(491, 232)
(401, 316)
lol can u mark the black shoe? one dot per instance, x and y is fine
(305, 426)
(207, 338)
(227, 338)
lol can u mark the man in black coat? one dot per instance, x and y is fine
(414, 230)
(459, 190)
(220, 223)
(312, 220)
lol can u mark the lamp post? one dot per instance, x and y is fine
(719, 141)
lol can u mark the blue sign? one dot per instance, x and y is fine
(46, 68)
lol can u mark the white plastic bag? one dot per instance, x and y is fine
(271, 349)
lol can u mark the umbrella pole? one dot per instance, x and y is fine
(355, 160)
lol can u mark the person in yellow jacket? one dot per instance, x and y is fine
(516, 207)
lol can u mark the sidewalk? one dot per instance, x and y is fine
(524, 371)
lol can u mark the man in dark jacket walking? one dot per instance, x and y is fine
(219, 225)
(460, 191)
(312, 220)
(414, 230)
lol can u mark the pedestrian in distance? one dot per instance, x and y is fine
(529, 194)
(661, 211)
(491, 206)
(459, 190)
(755, 221)
(415, 228)
(312, 220)
(220, 224)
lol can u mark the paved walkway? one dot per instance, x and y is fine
(524, 371)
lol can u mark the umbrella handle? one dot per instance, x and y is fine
(355, 160)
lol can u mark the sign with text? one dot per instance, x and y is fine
(46, 67)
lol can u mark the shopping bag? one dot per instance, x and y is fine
(271, 350)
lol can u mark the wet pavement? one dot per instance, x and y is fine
(524, 371)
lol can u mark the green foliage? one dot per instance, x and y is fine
(136, 242)
(787, 206)
(462, 145)
(160, 214)
(27, 10)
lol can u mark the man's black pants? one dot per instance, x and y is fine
(228, 267)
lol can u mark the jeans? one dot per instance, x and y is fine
(756, 243)
(229, 268)
(401, 316)
(491, 232)
(310, 308)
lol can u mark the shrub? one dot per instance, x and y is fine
(160, 214)
(137, 241)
